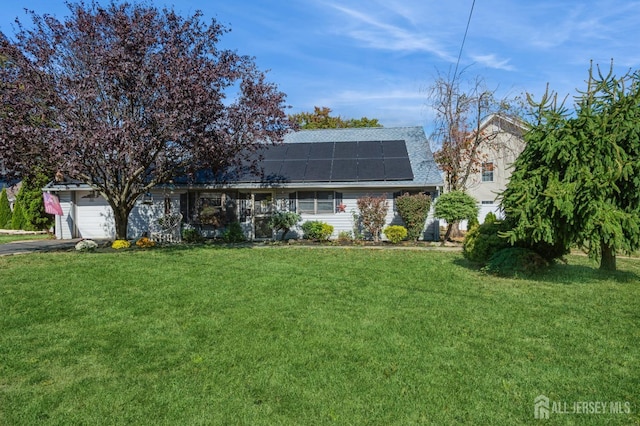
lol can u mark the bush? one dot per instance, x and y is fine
(483, 241)
(345, 236)
(5, 210)
(395, 233)
(86, 245)
(317, 230)
(490, 218)
(234, 233)
(145, 242)
(515, 261)
(413, 209)
(30, 200)
(18, 219)
(373, 214)
(284, 221)
(120, 244)
(191, 234)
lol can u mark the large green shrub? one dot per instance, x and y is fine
(413, 209)
(284, 221)
(317, 230)
(481, 242)
(395, 233)
(5, 210)
(515, 261)
(30, 198)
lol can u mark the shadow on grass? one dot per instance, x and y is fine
(564, 273)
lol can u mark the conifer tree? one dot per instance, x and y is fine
(578, 179)
(18, 220)
(5, 210)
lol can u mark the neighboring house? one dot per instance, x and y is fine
(317, 173)
(12, 187)
(505, 145)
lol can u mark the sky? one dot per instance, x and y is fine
(378, 59)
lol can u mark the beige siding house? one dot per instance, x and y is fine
(505, 143)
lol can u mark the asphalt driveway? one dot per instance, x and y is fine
(20, 247)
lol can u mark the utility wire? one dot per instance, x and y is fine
(455, 73)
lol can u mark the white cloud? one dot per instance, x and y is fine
(379, 34)
(492, 61)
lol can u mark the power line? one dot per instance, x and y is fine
(463, 39)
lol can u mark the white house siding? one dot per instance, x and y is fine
(64, 226)
(344, 221)
(93, 217)
(143, 217)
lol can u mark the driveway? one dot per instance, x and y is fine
(20, 247)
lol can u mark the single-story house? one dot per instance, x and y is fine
(317, 173)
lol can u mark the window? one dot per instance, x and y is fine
(209, 208)
(487, 202)
(316, 202)
(324, 200)
(487, 172)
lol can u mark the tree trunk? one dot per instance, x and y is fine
(121, 217)
(608, 258)
(453, 229)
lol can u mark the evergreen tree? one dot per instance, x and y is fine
(5, 210)
(18, 220)
(578, 179)
(30, 196)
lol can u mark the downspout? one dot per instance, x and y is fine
(73, 214)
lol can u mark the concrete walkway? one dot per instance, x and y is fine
(21, 247)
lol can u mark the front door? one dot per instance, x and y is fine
(262, 211)
(255, 210)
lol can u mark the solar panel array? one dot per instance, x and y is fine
(335, 162)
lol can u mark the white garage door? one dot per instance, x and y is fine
(94, 217)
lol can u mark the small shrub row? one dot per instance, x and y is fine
(317, 230)
(395, 233)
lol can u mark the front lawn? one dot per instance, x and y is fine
(310, 336)
(9, 238)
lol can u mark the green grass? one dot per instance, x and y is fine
(9, 238)
(309, 336)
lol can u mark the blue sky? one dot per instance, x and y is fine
(378, 58)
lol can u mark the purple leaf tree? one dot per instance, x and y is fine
(124, 97)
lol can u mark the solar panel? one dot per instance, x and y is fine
(318, 171)
(397, 169)
(370, 169)
(273, 152)
(293, 170)
(332, 162)
(345, 150)
(271, 168)
(369, 149)
(394, 149)
(298, 151)
(321, 150)
(344, 170)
